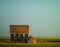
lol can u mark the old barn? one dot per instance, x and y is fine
(19, 33)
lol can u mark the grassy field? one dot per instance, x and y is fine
(31, 45)
(48, 39)
(38, 39)
(39, 43)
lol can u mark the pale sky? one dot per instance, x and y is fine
(42, 16)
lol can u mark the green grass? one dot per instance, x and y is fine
(47, 39)
(31, 45)
(4, 40)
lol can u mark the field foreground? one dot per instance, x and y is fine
(40, 43)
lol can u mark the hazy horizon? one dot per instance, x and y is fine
(42, 16)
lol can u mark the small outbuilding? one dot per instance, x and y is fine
(19, 33)
(32, 40)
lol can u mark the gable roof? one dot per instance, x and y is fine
(19, 29)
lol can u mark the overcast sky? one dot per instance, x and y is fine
(42, 16)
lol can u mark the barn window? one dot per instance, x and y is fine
(26, 35)
(21, 35)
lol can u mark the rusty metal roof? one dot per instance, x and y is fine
(19, 25)
(19, 29)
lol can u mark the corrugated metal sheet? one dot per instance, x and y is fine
(19, 29)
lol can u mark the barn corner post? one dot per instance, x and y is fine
(19, 33)
(11, 34)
